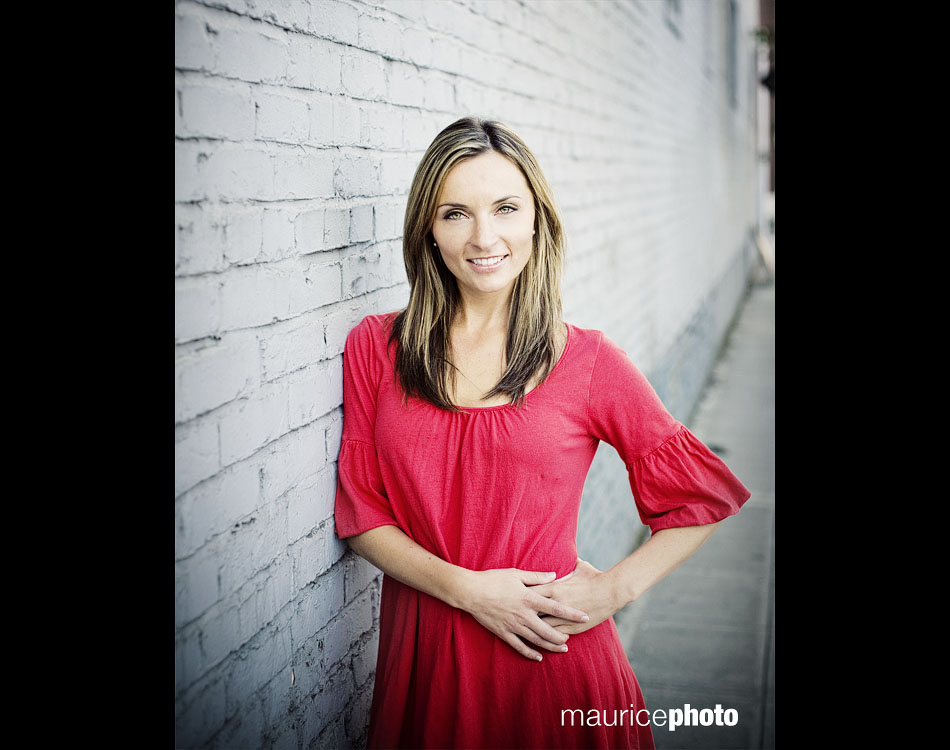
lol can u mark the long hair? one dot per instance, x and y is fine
(421, 330)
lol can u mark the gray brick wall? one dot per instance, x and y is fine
(297, 128)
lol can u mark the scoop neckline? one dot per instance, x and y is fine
(510, 404)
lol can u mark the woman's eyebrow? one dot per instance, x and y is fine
(462, 205)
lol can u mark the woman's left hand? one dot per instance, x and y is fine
(587, 589)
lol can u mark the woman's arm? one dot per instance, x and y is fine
(603, 593)
(505, 601)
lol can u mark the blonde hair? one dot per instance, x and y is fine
(421, 330)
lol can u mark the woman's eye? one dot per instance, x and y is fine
(453, 215)
(507, 209)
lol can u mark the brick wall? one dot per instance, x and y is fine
(297, 128)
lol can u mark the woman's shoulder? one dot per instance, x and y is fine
(372, 332)
(376, 324)
(595, 346)
(584, 340)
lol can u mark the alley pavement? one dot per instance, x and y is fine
(705, 634)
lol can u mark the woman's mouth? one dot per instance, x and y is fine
(487, 264)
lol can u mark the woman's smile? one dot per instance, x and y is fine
(487, 265)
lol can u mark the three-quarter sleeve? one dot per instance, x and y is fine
(361, 501)
(676, 480)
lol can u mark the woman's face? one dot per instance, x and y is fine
(484, 223)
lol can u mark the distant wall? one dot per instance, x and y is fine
(297, 129)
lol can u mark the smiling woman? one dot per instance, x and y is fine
(470, 422)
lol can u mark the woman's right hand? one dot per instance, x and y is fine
(502, 601)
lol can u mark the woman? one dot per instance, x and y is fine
(470, 421)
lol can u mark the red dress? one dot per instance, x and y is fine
(500, 487)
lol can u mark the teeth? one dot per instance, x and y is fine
(487, 261)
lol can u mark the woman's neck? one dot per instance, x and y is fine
(483, 313)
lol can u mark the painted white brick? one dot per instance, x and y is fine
(189, 185)
(292, 459)
(196, 454)
(199, 240)
(193, 46)
(255, 295)
(315, 607)
(388, 219)
(292, 348)
(324, 720)
(281, 118)
(231, 172)
(199, 577)
(256, 664)
(361, 223)
(320, 120)
(202, 717)
(196, 308)
(278, 239)
(311, 556)
(262, 598)
(336, 227)
(214, 375)
(303, 173)
(395, 174)
(447, 17)
(307, 504)
(217, 505)
(299, 73)
(326, 60)
(253, 548)
(217, 111)
(359, 575)
(243, 234)
(253, 422)
(364, 75)
(219, 635)
(379, 35)
(439, 94)
(367, 271)
(344, 630)
(410, 9)
(358, 175)
(188, 659)
(318, 285)
(287, 14)
(315, 391)
(252, 54)
(346, 122)
(309, 230)
(338, 326)
(364, 663)
(381, 127)
(245, 728)
(336, 20)
(417, 46)
(445, 54)
(334, 433)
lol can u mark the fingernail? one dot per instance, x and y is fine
(563, 648)
(585, 618)
(540, 657)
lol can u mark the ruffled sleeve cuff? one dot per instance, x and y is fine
(361, 502)
(683, 483)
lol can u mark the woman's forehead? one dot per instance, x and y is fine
(488, 176)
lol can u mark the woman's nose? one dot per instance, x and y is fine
(484, 235)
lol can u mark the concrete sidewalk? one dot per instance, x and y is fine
(705, 634)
